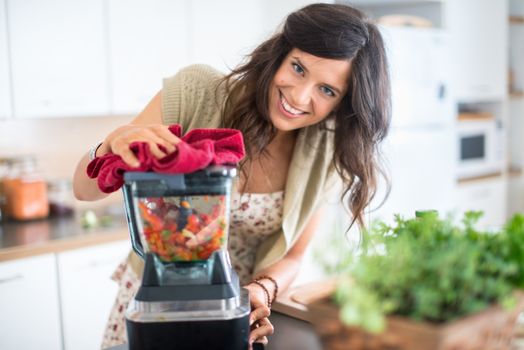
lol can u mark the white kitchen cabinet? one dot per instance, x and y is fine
(5, 86)
(149, 40)
(58, 57)
(487, 195)
(87, 292)
(29, 304)
(478, 37)
(223, 32)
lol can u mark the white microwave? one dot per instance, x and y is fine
(480, 147)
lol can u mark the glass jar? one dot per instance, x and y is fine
(5, 164)
(60, 196)
(26, 190)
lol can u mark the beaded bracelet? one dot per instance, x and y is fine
(265, 291)
(275, 284)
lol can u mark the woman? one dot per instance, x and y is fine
(312, 103)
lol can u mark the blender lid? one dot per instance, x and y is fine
(211, 171)
(211, 180)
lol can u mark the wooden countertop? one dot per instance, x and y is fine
(26, 239)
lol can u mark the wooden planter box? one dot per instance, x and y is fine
(491, 329)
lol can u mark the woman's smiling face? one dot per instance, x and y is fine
(305, 89)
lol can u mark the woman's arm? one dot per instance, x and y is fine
(286, 270)
(283, 272)
(146, 127)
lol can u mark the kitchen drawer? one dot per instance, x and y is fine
(29, 304)
(488, 195)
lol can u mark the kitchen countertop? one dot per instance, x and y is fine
(52, 235)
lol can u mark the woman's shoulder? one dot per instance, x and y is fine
(193, 96)
(198, 72)
(194, 81)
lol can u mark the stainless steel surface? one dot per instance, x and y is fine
(161, 312)
(187, 305)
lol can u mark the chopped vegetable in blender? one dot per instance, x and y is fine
(175, 231)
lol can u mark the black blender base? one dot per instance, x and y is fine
(189, 335)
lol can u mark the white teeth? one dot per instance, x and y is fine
(288, 108)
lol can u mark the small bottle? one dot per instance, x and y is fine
(25, 190)
(60, 196)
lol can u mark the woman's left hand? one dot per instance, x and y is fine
(258, 319)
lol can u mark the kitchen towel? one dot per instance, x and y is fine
(198, 149)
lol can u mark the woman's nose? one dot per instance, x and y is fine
(302, 95)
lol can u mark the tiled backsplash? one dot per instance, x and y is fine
(58, 143)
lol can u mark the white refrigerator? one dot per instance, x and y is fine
(420, 150)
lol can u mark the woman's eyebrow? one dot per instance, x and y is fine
(304, 67)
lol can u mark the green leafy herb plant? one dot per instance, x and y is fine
(428, 268)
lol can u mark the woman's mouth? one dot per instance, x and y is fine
(288, 110)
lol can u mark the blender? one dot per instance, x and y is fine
(190, 297)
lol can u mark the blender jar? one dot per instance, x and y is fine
(182, 219)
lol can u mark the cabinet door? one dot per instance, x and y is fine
(515, 194)
(87, 292)
(419, 77)
(149, 40)
(478, 36)
(5, 88)
(29, 310)
(516, 55)
(489, 196)
(222, 32)
(58, 57)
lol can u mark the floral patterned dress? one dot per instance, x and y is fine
(254, 217)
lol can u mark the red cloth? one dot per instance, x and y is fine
(198, 149)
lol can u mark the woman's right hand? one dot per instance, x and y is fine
(118, 141)
(260, 326)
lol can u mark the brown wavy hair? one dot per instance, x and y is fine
(362, 119)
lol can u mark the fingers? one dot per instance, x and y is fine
(167, 135)
(129, 158)
(160, 140)
(258, 319)
(262, 340)
(261, 331)
(259, 313)
(160, 135)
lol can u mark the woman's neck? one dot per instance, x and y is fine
(284, 141)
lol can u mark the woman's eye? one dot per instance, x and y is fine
(327, 91)
(297, 68)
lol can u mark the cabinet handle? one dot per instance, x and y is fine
(11, 278)
(95, 264)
